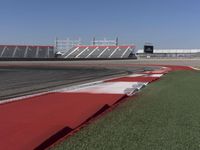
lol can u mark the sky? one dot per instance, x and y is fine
(164, 23)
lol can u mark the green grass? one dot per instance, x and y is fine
(165, 115)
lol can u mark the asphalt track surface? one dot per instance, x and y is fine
(20, 80)
(105, 63)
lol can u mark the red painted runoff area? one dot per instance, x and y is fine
(175, 68)
(27, 123)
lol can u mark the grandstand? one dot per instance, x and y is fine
(99, 52)
(26, 51)
(69, 49)
(99, 49)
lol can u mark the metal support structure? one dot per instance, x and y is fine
(94, 41)
(105, 42)
(65, 45)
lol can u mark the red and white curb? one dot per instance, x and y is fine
(194, 68)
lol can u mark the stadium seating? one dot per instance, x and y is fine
(118, 53)
(20, 51)
(99, 52)
(75, 53)
(95, 52)
(85, 53)
(31, 52)
(25, 51)
(42, 53)
(51, 52)
(106, 53)
(1, 49)
(8, 51)
(126, 53)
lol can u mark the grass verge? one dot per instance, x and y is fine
(165, 115)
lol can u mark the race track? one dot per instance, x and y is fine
(19, 78)
(19, 81)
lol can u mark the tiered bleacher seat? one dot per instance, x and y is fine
(1, 50)
(96, 53)
(85, 52)
(31, 52)
(8, 52)
(107, 52)
(45, 52)
(126, 53)
(51, 52)
(76, 52)
(25, 51)
(118, 53)
(99, 52)
(42, 52)
(70, 51)
(20, 51)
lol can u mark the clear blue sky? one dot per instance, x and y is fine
(165, 23)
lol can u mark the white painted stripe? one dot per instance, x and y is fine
(92, 52)
(125, 52)
(102, 52)
(81, 53)
(77, 87)
(14, 51)
(71, 52)
(113, 52)
(3, 50)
